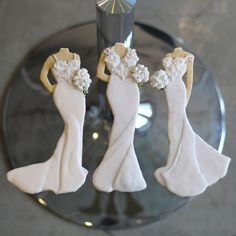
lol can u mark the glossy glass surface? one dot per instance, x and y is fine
(32, 127)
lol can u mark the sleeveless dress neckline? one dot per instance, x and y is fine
(121, 66)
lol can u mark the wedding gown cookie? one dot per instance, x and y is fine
(192, 164)
(63, 172)
(119, 169)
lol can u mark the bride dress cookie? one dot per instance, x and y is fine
(119, 169)
(63, 172)
(192, 164)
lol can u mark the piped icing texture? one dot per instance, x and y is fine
(174, 68)
(71, 72)
(127, 66)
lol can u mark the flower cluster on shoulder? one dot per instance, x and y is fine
(174, 68)
(112, 59)
(131, 58)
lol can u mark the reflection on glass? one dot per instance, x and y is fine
(144, 115)
(88, 224)
(95, 136)
(128, 40)
(139, 221)
(145, 109)
(87, 206)
(140, 122)
(42, 202)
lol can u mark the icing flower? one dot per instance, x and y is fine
(176, 67)
(112, 58)
(190, 57)
(121, 70)
(159, 79)
(60, 65)
(171, 67)
(60, 69)
(126, 65)
(131, 57)
(73, 66)
(81, 80)
(66, 69)
(140, 74)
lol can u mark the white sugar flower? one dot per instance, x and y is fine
(121, 70)
(140, 74)
(176, 67)
(60, 69)
(60, 65)
(159, 79)
(73, 65)
(112, 58)
(81, 80)
(131, 57)
(170, 67)
(190, 57)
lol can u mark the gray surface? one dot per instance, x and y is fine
(207, 26)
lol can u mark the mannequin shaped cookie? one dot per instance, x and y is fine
(119, 169)
(63, 172)
(192, 164)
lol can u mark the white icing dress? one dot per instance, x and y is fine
(63, 172)
(192, 164)
(119, 169)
